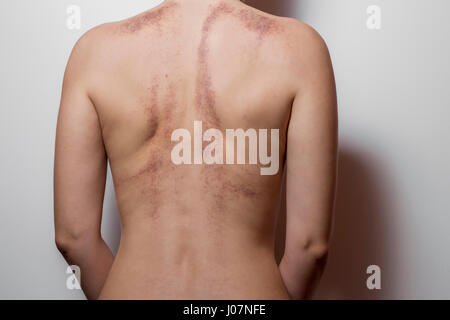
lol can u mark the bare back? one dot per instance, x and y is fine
(192, 231)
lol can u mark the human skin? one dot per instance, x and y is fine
(196, 231)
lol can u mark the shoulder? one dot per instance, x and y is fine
(94, 40)
(304, 44)
(291, 41)
(305, 51)
(92, 51)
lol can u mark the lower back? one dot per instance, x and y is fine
(193, 261)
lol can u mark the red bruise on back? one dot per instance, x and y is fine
(153, 17)
(257, 23)
(160, 120)
(161, 104)
(215, 179)
(205, 94)
(162, 109)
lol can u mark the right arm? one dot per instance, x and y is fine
(80, 177)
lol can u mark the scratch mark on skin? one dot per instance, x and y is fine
(152, 17)
(162, 118)
(152, 187)
(257, 23)
(205, 95)
(228, 187)
(159, 118)
(169, 108)
(157, 176)
(240, 189)
(205, 104)
(157, 163)
(216, 179)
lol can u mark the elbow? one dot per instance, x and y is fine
(312, 249)
(67, 241)
(318, 252)
(317, 249)
(64, 244)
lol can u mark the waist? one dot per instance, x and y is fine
(191, 270)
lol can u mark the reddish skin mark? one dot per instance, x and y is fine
(226, 184)
(158, 161)
(160, 116)
(257, 23)
(153, 17)
(153, 164)
(154, 114)
(205, 95)
(215, 179)
(240, 189)
(152, 188)
(155, 158)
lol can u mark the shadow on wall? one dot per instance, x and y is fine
(361, 233)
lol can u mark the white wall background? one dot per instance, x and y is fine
(393, 202)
